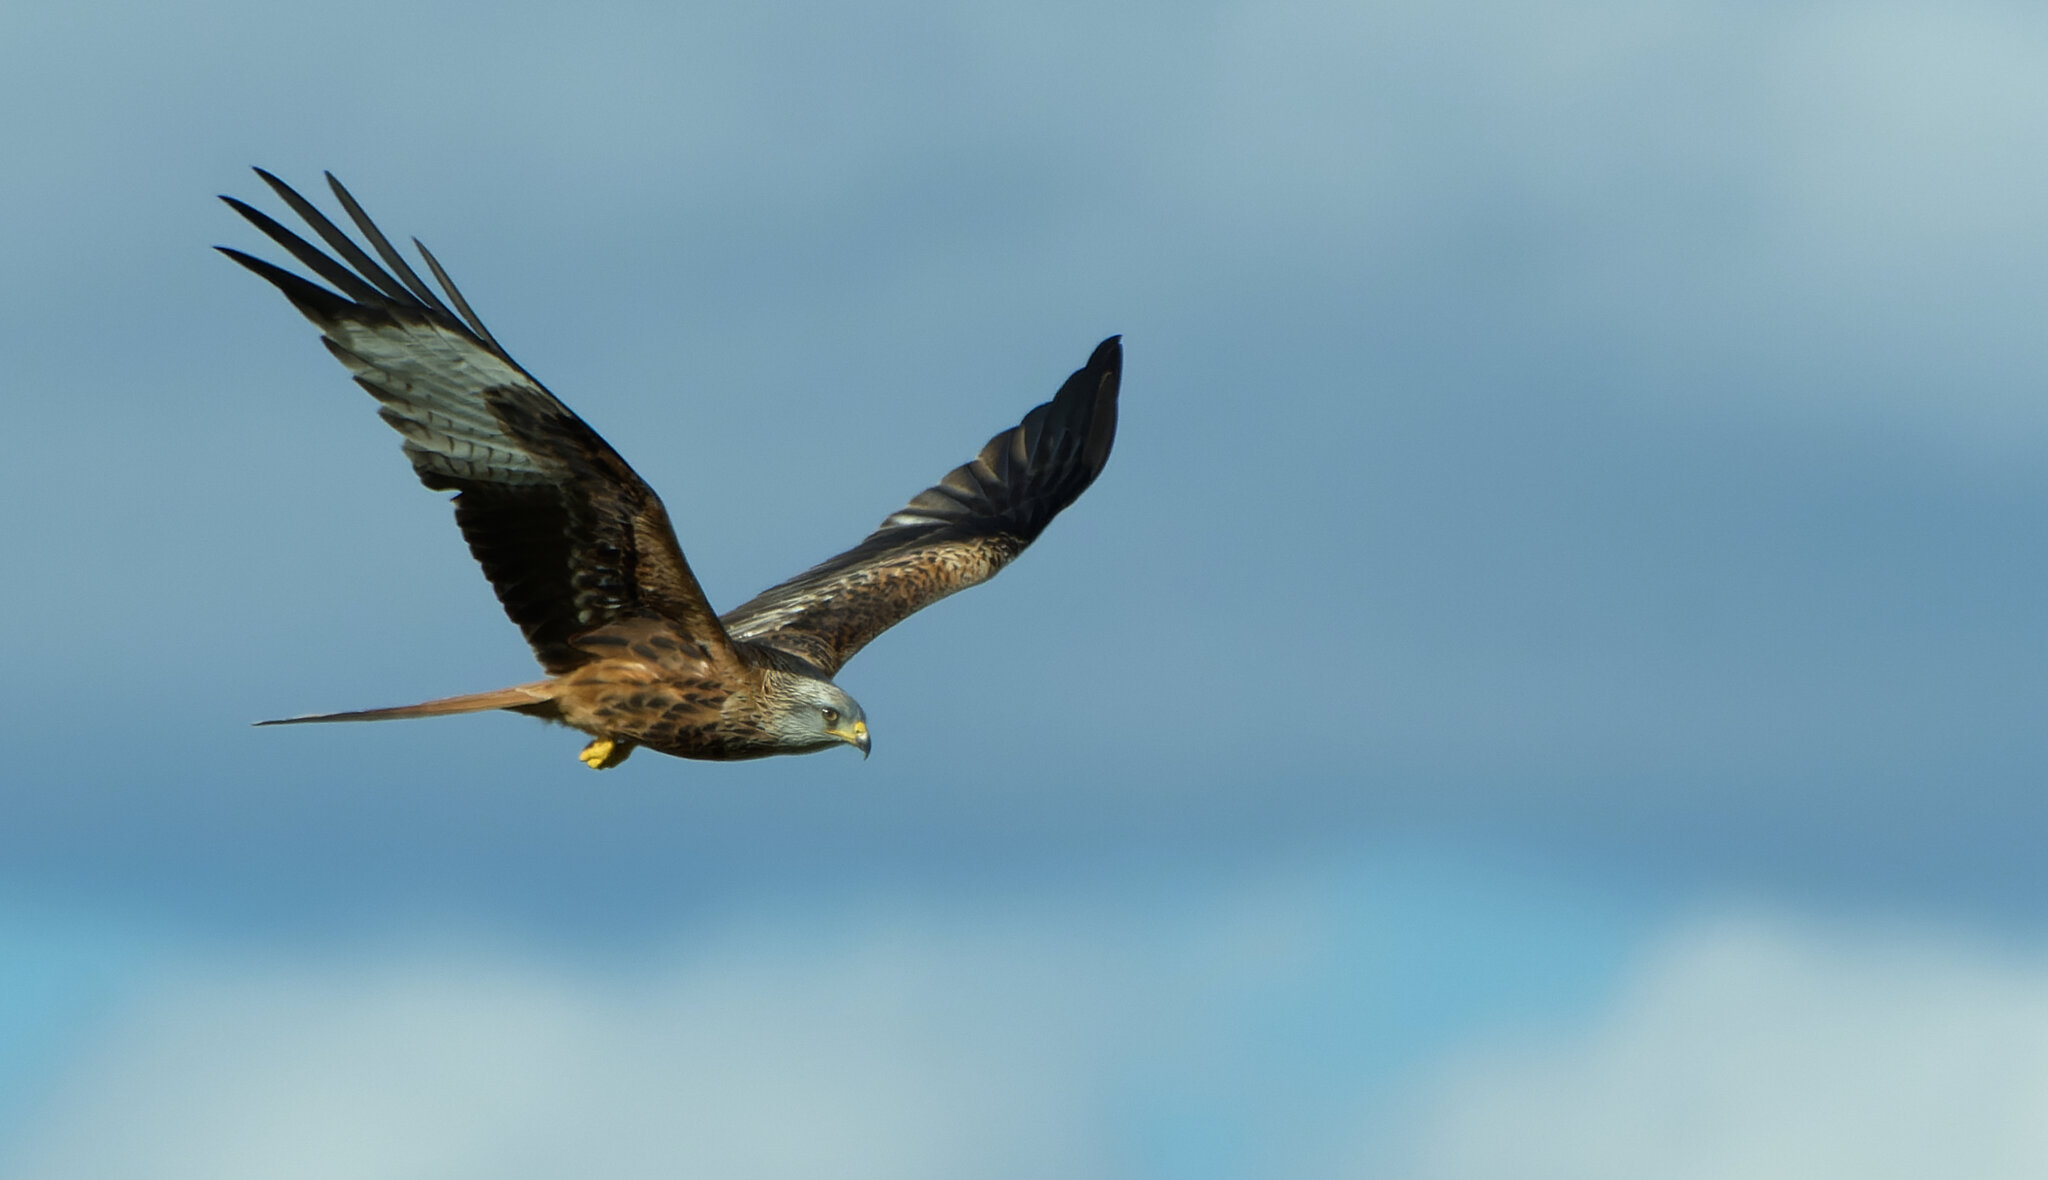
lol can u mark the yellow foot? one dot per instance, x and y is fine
(604, 753)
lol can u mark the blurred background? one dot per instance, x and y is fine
(1549, 684)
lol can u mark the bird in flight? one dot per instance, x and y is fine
(580, 551)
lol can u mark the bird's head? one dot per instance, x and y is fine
(806, 713)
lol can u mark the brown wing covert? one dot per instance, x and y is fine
(952, 535)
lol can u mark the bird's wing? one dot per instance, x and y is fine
(953, 535)
(569, 536)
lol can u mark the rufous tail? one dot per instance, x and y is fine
(537, 697)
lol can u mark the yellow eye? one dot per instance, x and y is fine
(831, 716)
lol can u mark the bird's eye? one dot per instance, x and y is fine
(831, 715)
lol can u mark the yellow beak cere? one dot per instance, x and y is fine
(855, 735)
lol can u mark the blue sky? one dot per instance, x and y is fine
(1568, 579)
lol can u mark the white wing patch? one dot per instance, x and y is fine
(431, 381)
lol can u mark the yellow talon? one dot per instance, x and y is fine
(604, 753)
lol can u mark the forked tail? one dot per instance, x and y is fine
(537, 698)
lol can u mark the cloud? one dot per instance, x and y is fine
(887, 1039)
(1746, 1047)
(756, 1057)
(1391, 1020)
(1155, 1027)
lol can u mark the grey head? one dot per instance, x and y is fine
(805, 713)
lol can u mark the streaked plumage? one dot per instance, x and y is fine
(579, 548)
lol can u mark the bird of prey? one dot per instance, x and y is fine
(580, 551)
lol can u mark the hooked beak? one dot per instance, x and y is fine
(855, 735)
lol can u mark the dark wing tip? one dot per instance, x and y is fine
(310, 298)
(1085, 409)
(1109, 354)
(352, 271)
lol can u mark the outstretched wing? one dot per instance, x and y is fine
(955, 534)
(569, 536)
